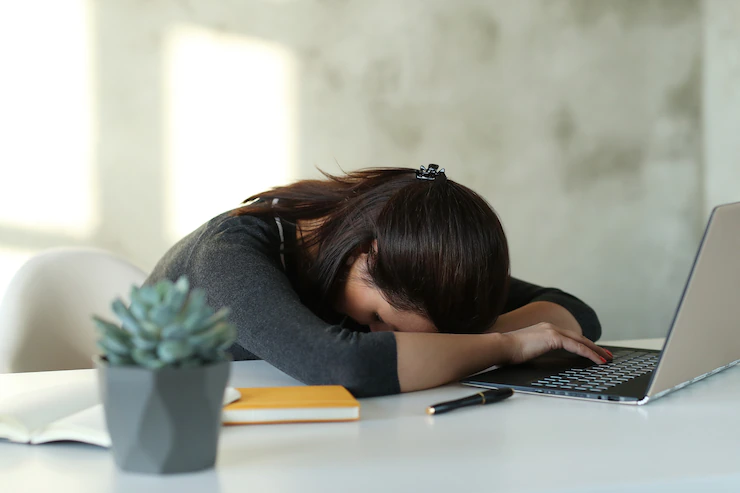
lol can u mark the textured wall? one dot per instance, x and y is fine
(721, 102)
(579, 120)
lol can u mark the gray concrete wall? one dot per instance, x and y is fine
(579, 120)
(721, 102)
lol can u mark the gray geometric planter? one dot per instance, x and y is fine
(163, 421)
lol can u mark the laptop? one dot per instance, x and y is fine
(704, 337)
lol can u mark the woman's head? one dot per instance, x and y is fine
(430, 250)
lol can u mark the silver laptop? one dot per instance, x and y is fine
(704, 337)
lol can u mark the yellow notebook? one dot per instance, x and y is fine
(310, 403)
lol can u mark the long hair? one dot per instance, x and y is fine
(441, 250)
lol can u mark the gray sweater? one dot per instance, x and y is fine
(237, 261)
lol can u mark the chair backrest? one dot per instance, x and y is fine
(45, 315)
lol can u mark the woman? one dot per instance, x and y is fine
(383, 280)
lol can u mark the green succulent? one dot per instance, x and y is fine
(166, 325)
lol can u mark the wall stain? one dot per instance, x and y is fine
(475, 31)
(403, 125)
(482, 132)
(382, 77)
(683, 107)
(684, 99)
(607, 161)
(333, 78)
(587, 13)
(564, 128)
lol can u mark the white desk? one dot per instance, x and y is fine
(685, 442)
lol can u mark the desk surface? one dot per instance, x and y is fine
(686, 441)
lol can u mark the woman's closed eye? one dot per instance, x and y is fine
(379, 325)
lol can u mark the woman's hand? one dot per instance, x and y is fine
(530, 342)
(428, 360)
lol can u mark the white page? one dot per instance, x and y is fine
(85, 426)
(62, 412)
(89, 425)
(36, 408)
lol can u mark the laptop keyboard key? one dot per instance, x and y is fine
(625, 366)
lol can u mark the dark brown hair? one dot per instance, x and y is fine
(441, 250)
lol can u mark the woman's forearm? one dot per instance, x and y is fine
(534, 313)
(428, 360)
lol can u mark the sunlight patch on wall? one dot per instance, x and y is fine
(230, 115)
(46, 113)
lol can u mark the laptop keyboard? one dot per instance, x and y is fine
(625, 366)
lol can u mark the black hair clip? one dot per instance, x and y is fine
(430, 173)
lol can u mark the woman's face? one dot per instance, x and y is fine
(364, 304)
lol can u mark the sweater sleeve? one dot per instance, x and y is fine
(522, 293)
(238, 266)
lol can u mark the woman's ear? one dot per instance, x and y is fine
(368, 249)
(371, 248)
(361, 254)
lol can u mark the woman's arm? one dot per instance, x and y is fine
(534, 313)
(529, 304)
(428, 360)
(536, 320)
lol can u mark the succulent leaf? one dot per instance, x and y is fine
(128, 320)
(151, 330)
(116, 339)
(176, 297)
(215, 319)
(111, 346)
(174, 331)
(206, 340)
(161, 315)
(104, 327)
(138, 309)
(146, 344)
(147, 295)
(197, 304)
(147, 359)
(161, 288)
(174, 350)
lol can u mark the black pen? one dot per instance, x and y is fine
(484, 397)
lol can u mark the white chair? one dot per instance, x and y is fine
(45, 315)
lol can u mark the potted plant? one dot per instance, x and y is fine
(162, 375)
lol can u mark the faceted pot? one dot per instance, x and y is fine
(163, 421)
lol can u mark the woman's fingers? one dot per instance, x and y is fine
(603, 353)
(581, 349)
(590, 345)
(535, 340)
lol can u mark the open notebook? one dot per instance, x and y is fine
(62, 412)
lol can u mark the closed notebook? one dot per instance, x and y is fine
(292, 405)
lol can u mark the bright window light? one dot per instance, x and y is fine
(46, 95)
(230, 116)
